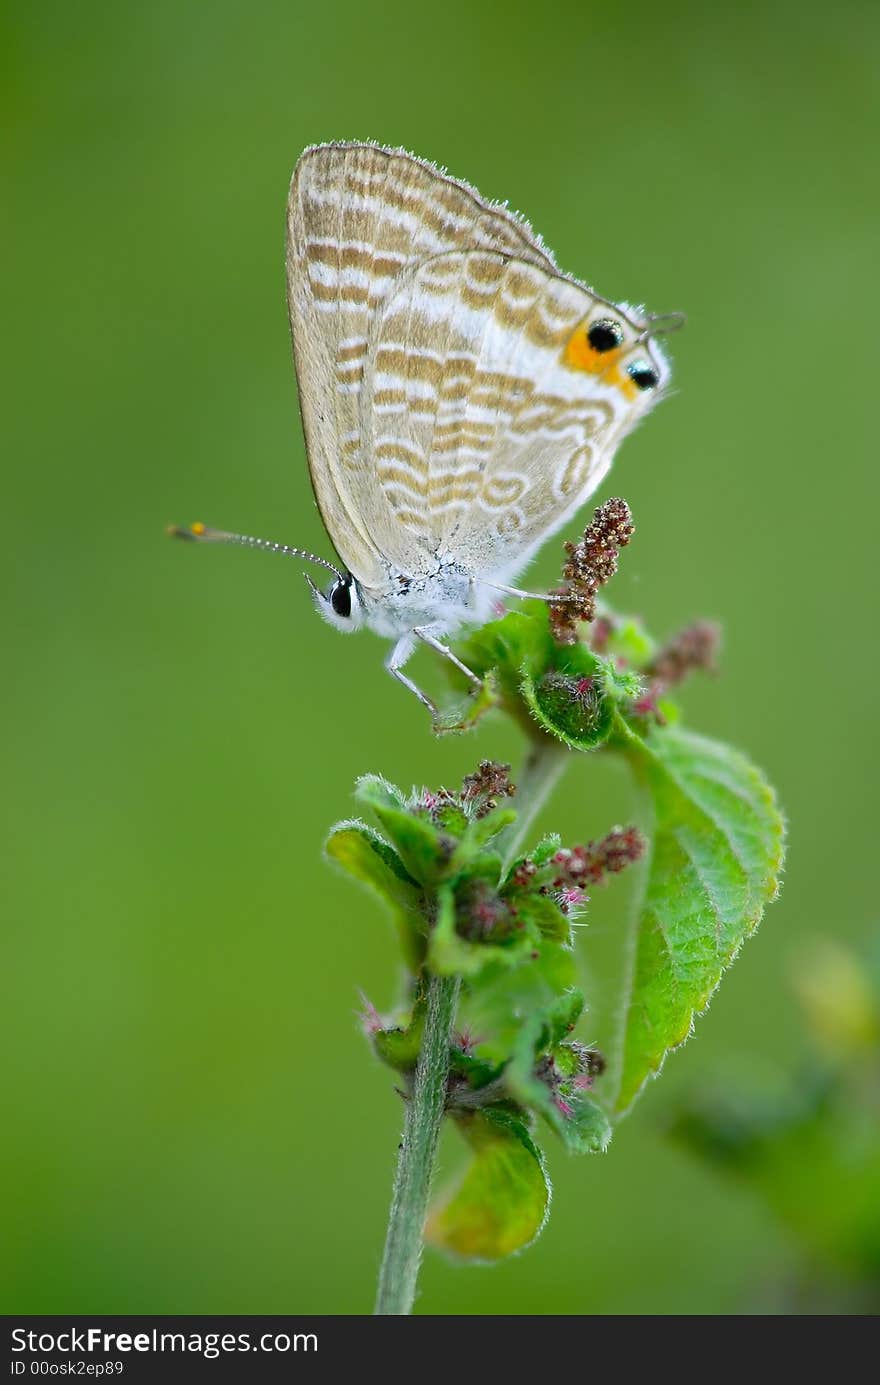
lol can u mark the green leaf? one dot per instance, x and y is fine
(547, 847)
(716, 857)
(520, 638)
(375, 791)
(570, 702)
(468, 713)
(435, 846)
(622, 684)
(628, 640)
(562, 1016)
(524, 1017)
(480, 831)
(567, 692)
(541, 912)
(502, 651)
(497, 1002)
(575, 1117)
(585, 1129)
(399, 1048)
(500, 1203)
(476, 1071)
(369, 858)
(399, 1045)
(424, 850)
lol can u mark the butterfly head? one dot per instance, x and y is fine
(340, 605)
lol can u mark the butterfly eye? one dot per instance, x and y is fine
(340, 597)
(605, 335)
(643, 376)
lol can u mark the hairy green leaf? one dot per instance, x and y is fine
(500, 1203)
(369, 858)
(584, 1127)
(546, 848)
(434, 844)
(482, 830)
(574, 1116)
(567, 692)
(398, 1045)
(541, 912)
(569, 700)
(495, 1008)
(715, 861)
(519, 638)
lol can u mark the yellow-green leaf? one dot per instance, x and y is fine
(500, 1203)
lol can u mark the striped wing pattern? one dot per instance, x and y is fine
(483, 440)
(444, 408)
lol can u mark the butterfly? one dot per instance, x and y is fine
(461, 396)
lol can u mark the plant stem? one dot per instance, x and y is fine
(415, 1164)
(538, 777)
(425, 1103)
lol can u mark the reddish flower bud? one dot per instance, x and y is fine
(489, 782)
(591, 563)
(694, 647)
(591, 863)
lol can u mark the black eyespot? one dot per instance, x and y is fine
(644, 376)
(605, 334)
(340, 596)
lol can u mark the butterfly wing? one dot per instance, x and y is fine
(489, 416)
(360, 220)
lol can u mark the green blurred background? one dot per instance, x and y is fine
(194, 1121)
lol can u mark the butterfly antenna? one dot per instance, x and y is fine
(661, 324)
(200, 533)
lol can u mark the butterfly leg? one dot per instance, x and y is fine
(553, 598)
(447, 653)
(394, 664)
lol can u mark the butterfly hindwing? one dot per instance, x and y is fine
(488, 417)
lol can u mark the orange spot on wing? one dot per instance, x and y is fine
(580, 355)
(624, 382)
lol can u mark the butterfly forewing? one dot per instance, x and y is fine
(359, 217)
